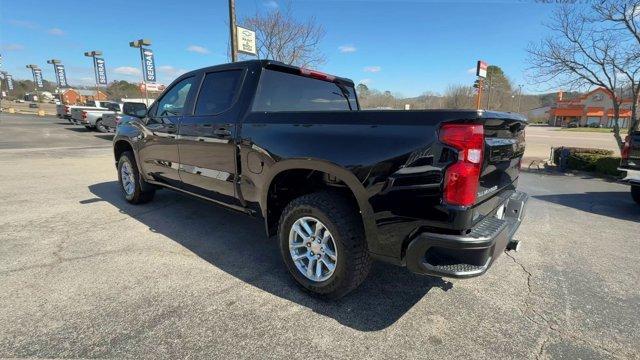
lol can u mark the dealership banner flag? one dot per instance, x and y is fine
(37, 76)
(149, 65)
(9, 82)
(101, 71)
(61, 76)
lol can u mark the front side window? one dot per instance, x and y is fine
(217, 92)
(280, 91)
(172, 103)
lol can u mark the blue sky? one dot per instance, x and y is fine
(407, 47)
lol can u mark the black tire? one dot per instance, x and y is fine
(88, 127)
(101, 128)
(138, 195)
(635, 193)
(343, 221)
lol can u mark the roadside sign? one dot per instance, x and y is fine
(61, 76)
(9, 82)
(246, 41)
(37, 76)
(481, 69)
(101, 71)
(153, 87)
(149, 70)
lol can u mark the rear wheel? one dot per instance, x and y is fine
(323, 245)
(101, 127)
(135, 190)
(635, 193)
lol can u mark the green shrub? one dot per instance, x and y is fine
(576, 150)
(605, 165)
(608, 165)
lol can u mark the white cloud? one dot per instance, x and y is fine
(471, 70)
(372, 69)
(271, 4)
(127, 70)
(198, 49)
(171, 71)
(347, 48)
(366, 81)
(22, 24)
(12, 47)
(56, 31)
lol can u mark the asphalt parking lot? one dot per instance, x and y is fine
(84, 274)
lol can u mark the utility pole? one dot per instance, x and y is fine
(519, 97)
(479, 85)
(140, 44)
(232, 30)
(93, 54)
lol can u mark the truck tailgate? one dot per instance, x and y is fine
(504, 147)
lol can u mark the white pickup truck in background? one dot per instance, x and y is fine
(64, 111)
(92, 118)
(129, 109)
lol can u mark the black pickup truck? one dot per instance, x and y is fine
(630, 163)
(432, 190)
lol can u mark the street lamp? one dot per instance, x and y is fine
(33, 68)
(3, 76)
(139, 44)
(93, 54)
(55, 62)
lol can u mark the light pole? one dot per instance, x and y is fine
(519, 97)
(93, 54)
(55, 62)
(232, 30)
(35, 82)
(139, 44)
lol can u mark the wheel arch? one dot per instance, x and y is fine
(337, 173)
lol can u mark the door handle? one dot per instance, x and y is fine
(222, 132)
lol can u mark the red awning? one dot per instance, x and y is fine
(566, 112)
(623, 113)
(595, 111)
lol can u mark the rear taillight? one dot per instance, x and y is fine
(626, 149)
(66, 109)
(461, 179)
(84, 115)
(118, 119)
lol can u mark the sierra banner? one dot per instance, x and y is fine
(101, 71)
(61, 76)
(149, 65)
(9, 81)
(37, 78)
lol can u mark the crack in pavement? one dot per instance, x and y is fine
(550, 326)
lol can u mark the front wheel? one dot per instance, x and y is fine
(323, 245)
(135, 190)
(635, 193)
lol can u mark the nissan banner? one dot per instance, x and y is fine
(61, 76)
(101, 71)
(37, 77)
(9, 81)
(149, 65)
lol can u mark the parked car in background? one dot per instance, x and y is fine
(573, 124)
(64, 111)
(92, 118)
(630, 163)
(129, 109)
(432, 190)
(33, 106)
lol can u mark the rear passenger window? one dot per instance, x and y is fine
(217, 92)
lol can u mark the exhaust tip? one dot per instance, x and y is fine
(514, 245)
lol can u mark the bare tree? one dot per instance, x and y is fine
(280, 37)
(459, 97)
(592, 46)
